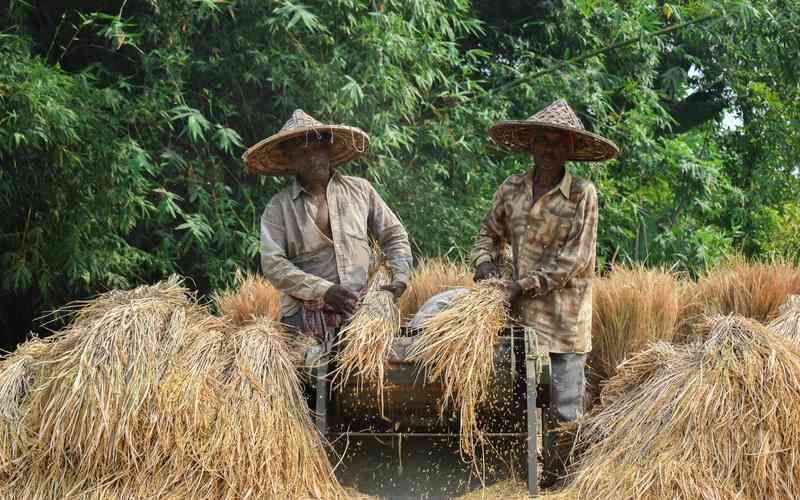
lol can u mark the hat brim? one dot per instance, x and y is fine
(516, 135)
(268, 158)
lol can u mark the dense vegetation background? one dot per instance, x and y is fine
(122, 123)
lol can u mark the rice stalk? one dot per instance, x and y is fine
(788, 322)
(264, 444)
(632, 307)
(17, 378)
(456, 346)
(94, 407)
(251, 297)
(708, 420)
(365, 343)
(432, 276)
(751, 289)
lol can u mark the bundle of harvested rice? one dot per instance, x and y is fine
(632, 307)
(251, 297)
(432, 276)
(709, 420)
(788, 322)
(94, 410)
(751, 289)
(264, 444)
(366, 342)
(456, 346)
(17, 378)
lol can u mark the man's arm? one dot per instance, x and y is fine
(576, 254)
(391, 235)
(277, 268)
(486, 250)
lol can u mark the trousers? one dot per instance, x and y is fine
(567, 386)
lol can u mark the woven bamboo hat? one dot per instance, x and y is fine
(516, 135)
(268, 158)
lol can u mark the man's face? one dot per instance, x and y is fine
(551, 149)
(312, 160)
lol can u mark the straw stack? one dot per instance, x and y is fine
(456, 347)
(146, 395)
(432, 276)
(18, 376)
(366, 342)
(264, 444)
(709, 420)
(251, 297)
(788, 322)
(632, 307)
(751, 289)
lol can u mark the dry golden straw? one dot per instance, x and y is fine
(788, 323)
(632, 307)
(430, 277)
(709, 420)
(251, 297)
(751, 289)
(366, 342)
(264, 444)
(146, 395)
(456, 347)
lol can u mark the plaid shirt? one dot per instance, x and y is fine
(302, 262)
(553, 253)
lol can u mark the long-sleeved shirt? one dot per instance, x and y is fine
(303, 263)
(553, 245)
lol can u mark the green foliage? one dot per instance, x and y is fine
(121, 129)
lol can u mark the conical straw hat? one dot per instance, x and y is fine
(517, 135)
(268, 158)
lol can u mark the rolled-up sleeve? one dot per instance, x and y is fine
(578, 251)
(391, 235)
(277, 268)
(490, 235)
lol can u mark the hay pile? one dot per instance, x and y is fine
(433, 276)
(251, 297)
(709, 420)
(366, 342)
(456, 347)
(788, 322)
(631, 308)
(146, 395)
(754, 290)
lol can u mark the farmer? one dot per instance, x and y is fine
(549, 217)
(315, 232)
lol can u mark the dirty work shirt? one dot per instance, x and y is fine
(302, 262)
(553, 246)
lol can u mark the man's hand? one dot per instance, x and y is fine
(397, 288)
(513, 291)
(486, 271)
(341, 300)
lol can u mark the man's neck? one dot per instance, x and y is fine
(547, 178)
(314, 188)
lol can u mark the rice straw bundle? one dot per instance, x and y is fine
(264, 444)
(457, 347)
(709, 420)
(751, 289)
(631, 308)
(432, 276)
(17, 378)
(788, 323)
(94, 411)
(251, 297)
(366, 342)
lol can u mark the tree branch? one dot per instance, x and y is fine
(669, 29)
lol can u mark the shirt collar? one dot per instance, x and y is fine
(565, 186)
